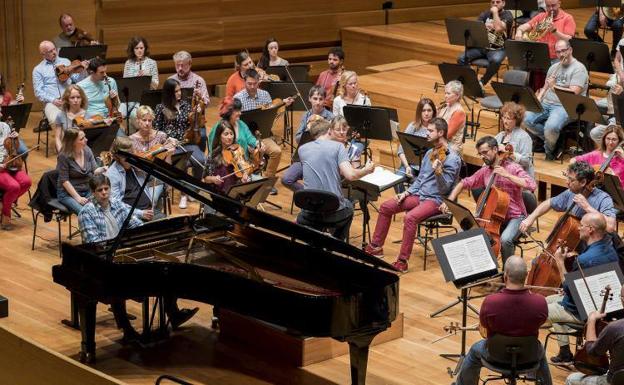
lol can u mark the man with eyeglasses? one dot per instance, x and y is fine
(568, 74)
(561, 307)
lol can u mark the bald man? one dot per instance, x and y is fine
(561, 307)
(48, 88)
(499, 315)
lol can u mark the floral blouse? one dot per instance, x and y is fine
(176, 126)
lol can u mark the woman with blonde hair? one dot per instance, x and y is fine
(454, 115)
(349, 93)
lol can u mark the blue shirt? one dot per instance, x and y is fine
(93, 224)
(430, 186)
(304, 121)
(598, 199)
(96, 94)
(46, 85)
(598, 253)
(262, 99)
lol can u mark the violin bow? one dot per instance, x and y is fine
(232, 173)
(22, 154)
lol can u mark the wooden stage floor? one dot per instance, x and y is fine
(37, 304)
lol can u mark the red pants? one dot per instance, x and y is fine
(417, 211)
(12, 186)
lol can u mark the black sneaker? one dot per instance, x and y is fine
(564, 357)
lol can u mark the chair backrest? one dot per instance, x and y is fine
(317, 201)
(516, 77)
(530, 201)
(500, 350)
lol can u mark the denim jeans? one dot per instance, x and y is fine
(471, 366)
(494, 57)
(70, 202)
(547, 125)
(591, 29)
(508, 237)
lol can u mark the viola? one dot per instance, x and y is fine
(96, 121)
(156, 151)
(63, 72)
(439, 153)
(112, 104)
(196, 117)
(80, 38)
(234, 155)
(276, 103)
(11, 144)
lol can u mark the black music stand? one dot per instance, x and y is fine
(518, 94)
(527, 55)
(467, 33)
(85, 52)
(370, 122)
(522, 5)
(583, 108)
(101, 139)
(291, 72)
(472, 88)
(594, 55)
(452, 252)
(618, 108)
(18, 113)
(252, 193)
(151, 98)
(414, 147)
(260, 120)
(612, 185)
(131, 90)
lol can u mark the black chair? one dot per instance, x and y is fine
(575, 330)
(317, 202)
(493, 103)
(44, 126)
(431, 224)
(512, 358)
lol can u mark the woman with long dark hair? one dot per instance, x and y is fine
(269, 55)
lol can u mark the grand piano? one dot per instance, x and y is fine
(240, 259)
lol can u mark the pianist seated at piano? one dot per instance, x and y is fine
(324, 160)
(219, 173)
(126, 181)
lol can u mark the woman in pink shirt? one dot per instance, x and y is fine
(613, 136)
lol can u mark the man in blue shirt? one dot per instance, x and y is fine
(600, 250)
(96, 88)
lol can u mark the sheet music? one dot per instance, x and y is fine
(469, 256)
(381, 178)
(596, 284)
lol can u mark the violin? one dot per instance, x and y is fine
(63, 72)
(440, 154)
(112, 103)
(81, 38)
(276, 103)
(234, 155)
(585, 362)
(265, 77)
(96, 121)
(156, 151)
(11, 144)
(196, 117)
(605, 166)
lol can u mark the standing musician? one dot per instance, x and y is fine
(568, 74)
(139, 63)
(439, 171)
(187, 78)
(606, 17)
(329, 78)
(324, 160)
(269, 56)
(611, 339)
(226, 156)
(14, 181)
(548, 27)
(609, 150)
(507, 176)
(561, 307)
(100, 90)
(47, 86)
(498, 22)
(580, 176)
(349, 93)
(6, 98)
(236, 82)
(71, 36)
(454, 115)
(512, 115)
(172, 117)
(499, 315)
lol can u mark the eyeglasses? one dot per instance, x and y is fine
(569, 178)
(562, 50)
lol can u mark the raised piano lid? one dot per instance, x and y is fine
(246, 215)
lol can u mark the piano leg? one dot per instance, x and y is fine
(73, 321)
(86, 311)
(358, 353)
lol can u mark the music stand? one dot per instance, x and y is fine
(618, 108)
(252, 193)
(612, 185)
(527, 55)
(472, 88)
(466, 259)
(464, 218)
(291, 72)
(370, 122)
(260, 120)
(522, 5)
(600, 3)
(151, 98)
(393, 114)
(132, 90)
(414, 147)
(18, 113)
(584, 108)
(101, 139)
(518, 94)
(86, 52)
(467, 33)
(594, 55)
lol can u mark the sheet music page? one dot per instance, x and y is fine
(469, 256)
(381, 177)
(596, 284)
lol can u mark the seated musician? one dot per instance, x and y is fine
(499, 315)
(236, 82)
(270, 57)
(100, 90)
(329, 78)
(509, 177)
(611, 340)
(316, 97)
(512, 115)
(172, 117)
(6, 97)
(425, 112)
(349, 92)
(219, 171)
(561, 307)
(454, 114)
(139, 63)
(568, 74)
(498, 22)
(580, 195)
(422, 199)
(324, 160)
(548, 27)
(612, 136)
(186, 77)
(605, 17)
(46, 85)
(13, 182)
(615, 85)
(75, 165)
(230, 111)
(71, 36)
